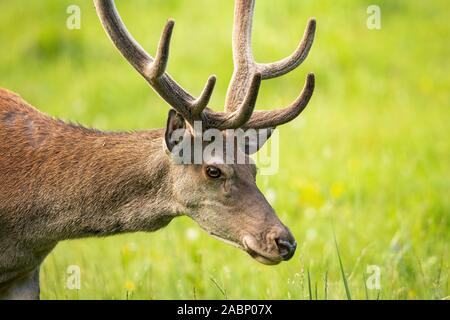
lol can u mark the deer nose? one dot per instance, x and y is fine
(286, 247)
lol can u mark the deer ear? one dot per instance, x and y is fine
(254, 140)
(175, 129)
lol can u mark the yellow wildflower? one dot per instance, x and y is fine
(130, 286)
(310, 195)
(337, 189)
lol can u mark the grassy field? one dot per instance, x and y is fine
(370, 157)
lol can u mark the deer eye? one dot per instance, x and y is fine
(213, 172)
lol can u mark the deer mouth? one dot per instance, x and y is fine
(228, 241)
(250, 246)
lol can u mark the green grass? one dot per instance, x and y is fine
(371, 161)
(344, 276)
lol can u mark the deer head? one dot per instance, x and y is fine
(221, 196)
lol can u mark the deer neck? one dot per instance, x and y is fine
(99, 184)
(126, 187)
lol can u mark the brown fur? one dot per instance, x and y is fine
(62, 181)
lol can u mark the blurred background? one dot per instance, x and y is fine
(370, 158)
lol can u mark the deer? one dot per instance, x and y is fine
(62, 181)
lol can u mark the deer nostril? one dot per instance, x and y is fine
(286, 248)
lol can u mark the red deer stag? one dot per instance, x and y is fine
(60, 181)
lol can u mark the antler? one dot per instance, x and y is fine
(245, 67)
(244, 87)
(154, 71)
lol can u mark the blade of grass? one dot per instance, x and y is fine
(365, 286)
(437, 282)
(223, 291)
(325, 289)
(344, 277)
(309, 285)
(315, 293)
(422, 273)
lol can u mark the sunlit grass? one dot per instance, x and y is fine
(369, 158)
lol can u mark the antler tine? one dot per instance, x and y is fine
(244, 113)
(244, 63)
(156, 69)
(202, 102)
(242, 33)
(274, 118)
(153, 70)
(245, 67)
(279, 68)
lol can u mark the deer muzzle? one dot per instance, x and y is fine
(277, 246)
